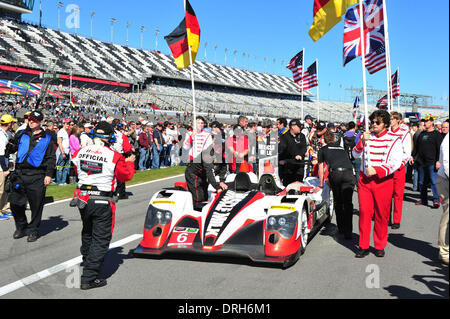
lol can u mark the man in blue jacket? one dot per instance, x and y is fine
(35, 165)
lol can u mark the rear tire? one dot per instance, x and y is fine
(330, 210)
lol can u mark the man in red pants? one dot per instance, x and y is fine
(400, 175)
(381, 155)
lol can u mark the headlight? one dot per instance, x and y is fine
(272, 221)
(283, 224)
(156, 216)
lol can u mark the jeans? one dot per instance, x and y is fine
(63, 168)
(143, 158)
(415, 177)
(427, 174)
(156, 154)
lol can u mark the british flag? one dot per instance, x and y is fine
(373, 30)
(296, 66)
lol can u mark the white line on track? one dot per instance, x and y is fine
(72, 262)
(58, 268)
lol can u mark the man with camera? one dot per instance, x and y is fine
(33, 172)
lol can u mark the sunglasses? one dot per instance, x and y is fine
(376, 122)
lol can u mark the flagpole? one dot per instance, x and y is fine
(301, 79)
(388, 57)
(398, 82)
(318, 99)
(194, 112)
(363, 60)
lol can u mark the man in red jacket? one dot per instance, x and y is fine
(99, 168)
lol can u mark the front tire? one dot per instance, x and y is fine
(304, 230)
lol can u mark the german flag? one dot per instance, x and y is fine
(187, 33)
(327, 13)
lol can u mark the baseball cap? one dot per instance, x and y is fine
(36, 115)
(294, 122)
(25, 116)
(87, 125)
(104, 128)
(321, 125)
(430, 118)
(330, 125)
(309, 117)
(266, 123)
(6, 119)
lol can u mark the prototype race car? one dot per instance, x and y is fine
(253, 218)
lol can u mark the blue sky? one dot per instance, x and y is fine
(419, 37)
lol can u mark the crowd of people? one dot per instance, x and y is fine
(377, 162)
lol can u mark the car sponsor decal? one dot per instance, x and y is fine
(182, 237)
(291, 208)
(163, 202)
(224, 210)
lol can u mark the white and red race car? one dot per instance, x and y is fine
(253, 217)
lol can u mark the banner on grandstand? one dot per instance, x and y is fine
(327, 13)
(185, 35)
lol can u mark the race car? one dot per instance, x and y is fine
(254, 217)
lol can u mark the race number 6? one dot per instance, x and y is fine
(182, 237)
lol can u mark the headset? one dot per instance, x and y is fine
(111, 138)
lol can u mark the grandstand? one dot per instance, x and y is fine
(108, 74)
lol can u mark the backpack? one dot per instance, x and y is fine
(349, 144)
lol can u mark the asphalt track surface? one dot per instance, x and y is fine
(49, 268)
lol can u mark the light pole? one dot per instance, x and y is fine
(156, 39)
(226, 50)
(142, 37)
(248, 61)
(234, 53)
(273, 69)
(128, 25)
(243, 60)
(206, 44)
(265, 59)
(256, 58)
(92, 18)
(113, 20)
(77, 19)
(215, 48)
(60, 5)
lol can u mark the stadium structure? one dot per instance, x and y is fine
(120, 76)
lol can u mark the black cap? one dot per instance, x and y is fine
(216, 124)
(295, 122)
(104, 128)
(321, 125)
(330, 125)
(37, 115)
(309, 117)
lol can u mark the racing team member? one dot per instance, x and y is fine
(292, 150)
(220, 165)
(342, 181)
(123, 147)
(400, 175)
(34, 169)
(267, 141)
(98, 168)
(316, 141)
(200, 168)
(382, 155)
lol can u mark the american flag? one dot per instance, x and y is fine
(376, 60)
(395, 80)
(373, 30)
(355, 106)
(310, 79)
(296, 66)
(382, 103)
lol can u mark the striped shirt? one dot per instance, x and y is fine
(405, 136)
(383, 152)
